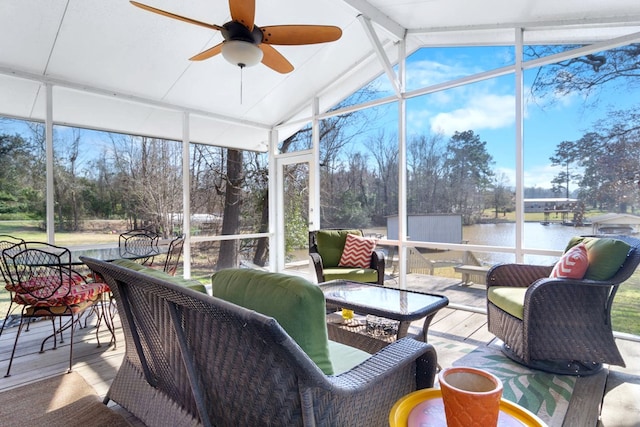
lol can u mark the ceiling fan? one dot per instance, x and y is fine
(246, 44)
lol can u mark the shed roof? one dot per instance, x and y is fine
(615, 219)
(115, 67)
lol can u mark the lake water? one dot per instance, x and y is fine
(536, 236)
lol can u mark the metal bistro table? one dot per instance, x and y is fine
(105, 253)
(401, 307)
(109, 253)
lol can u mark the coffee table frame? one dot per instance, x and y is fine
(369, 299)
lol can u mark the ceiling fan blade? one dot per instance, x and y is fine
(243, 11)
(274, 60)
(300, 34)
(213, 51)
(174, 16)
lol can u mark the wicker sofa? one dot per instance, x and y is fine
(193, 359)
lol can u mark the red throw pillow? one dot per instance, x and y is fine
(357, 252)
(573, 264)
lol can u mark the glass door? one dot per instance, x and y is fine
(294, 205)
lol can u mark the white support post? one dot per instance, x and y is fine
(402, 170)
(49, 165)
(519, 87)
(186, 195)
(314, 169)
(276, 236)
(382, 56)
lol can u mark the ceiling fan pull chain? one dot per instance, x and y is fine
(241, 68)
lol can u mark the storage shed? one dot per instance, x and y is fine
(441, 228)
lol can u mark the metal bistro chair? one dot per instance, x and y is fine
(46, 286)
(173, 255)
(141, 242)
(7, 241)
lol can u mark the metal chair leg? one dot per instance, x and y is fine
(15, 344)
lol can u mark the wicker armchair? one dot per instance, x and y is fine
(566, 323)
(192, 359)
(325, 247)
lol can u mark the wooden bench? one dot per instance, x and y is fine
(476, 272)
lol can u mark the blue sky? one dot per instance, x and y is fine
(487, 108)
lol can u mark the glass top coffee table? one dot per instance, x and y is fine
(385, 314)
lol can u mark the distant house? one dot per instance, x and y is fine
(553, 204)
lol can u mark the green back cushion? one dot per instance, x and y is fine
(159, 274)
(606, 255)
(297, 304)
(331, 243)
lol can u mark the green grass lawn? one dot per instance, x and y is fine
(32, 232)
(625, 314)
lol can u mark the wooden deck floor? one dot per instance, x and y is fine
(618, 390)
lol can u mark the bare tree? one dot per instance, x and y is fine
(149, 173)
(384, 151)
(500, 197)
(425, 164)
(67, 184)
(587, 74)
(228, 256)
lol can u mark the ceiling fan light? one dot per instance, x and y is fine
(240, 53)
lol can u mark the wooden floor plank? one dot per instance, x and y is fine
(481, 334)
(621, 402)
(584, 406)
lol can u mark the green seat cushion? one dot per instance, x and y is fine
(331, 243)
(509, 299)
(297, 304)
(344, 358)
(606, 256)
(366, 275)
(159, 274)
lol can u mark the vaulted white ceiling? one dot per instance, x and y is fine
(115, 67)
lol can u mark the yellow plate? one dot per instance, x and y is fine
(430, 400)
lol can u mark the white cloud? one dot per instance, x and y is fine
(535, 176)
(425, 73)
(487, 111)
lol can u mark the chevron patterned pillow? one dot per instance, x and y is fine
(357, 252)
(573, 264)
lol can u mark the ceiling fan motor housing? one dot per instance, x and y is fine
(234, 30)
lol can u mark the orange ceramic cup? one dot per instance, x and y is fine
(471, 397)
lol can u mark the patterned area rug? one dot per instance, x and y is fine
(546, 395)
